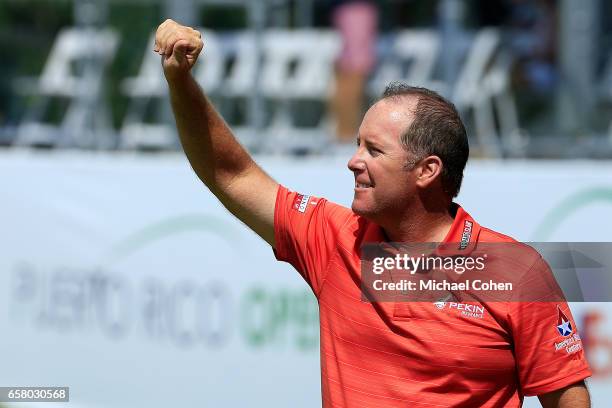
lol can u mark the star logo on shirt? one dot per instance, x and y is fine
(564, 326)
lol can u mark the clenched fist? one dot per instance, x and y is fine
(179, 47)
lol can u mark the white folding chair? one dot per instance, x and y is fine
(298, 67)
(86, 122)
(413, 58)
(149, 87)
(483, 87)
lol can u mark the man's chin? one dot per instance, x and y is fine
(361, 210)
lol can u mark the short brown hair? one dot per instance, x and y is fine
(437, 129)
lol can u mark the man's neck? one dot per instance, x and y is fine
(421, 226)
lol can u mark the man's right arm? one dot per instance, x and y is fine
(213, 152)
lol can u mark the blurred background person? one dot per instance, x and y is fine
(357, 24)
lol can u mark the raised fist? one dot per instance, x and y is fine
(179, 47)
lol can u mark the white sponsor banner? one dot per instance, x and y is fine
(123, 278)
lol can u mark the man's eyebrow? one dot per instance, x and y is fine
(374, 144)
(370, 143)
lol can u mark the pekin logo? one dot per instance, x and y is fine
(464, 309)
(440, 305)
(466, 235)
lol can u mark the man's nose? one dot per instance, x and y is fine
(356, 162)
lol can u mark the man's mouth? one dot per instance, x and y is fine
(362, 185)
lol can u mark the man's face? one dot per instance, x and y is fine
(382, 183)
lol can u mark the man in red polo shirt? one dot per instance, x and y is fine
(408, 166)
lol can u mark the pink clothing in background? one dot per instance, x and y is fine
(357, 23)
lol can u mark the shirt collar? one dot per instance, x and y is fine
(463, 235)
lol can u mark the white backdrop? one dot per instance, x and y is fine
(123, 278)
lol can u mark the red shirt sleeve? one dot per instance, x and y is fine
(548, 349)
(306, 231)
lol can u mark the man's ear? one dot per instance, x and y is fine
(429, 170)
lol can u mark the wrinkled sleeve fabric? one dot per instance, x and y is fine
(549, 351)
(306, 232)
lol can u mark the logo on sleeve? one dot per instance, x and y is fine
(301, 202)
(572, 342)
(564, 326)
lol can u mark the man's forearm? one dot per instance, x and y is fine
(213, 152)
(215, 155)
(573, 396)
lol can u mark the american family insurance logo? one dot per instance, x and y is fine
(572, 342)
